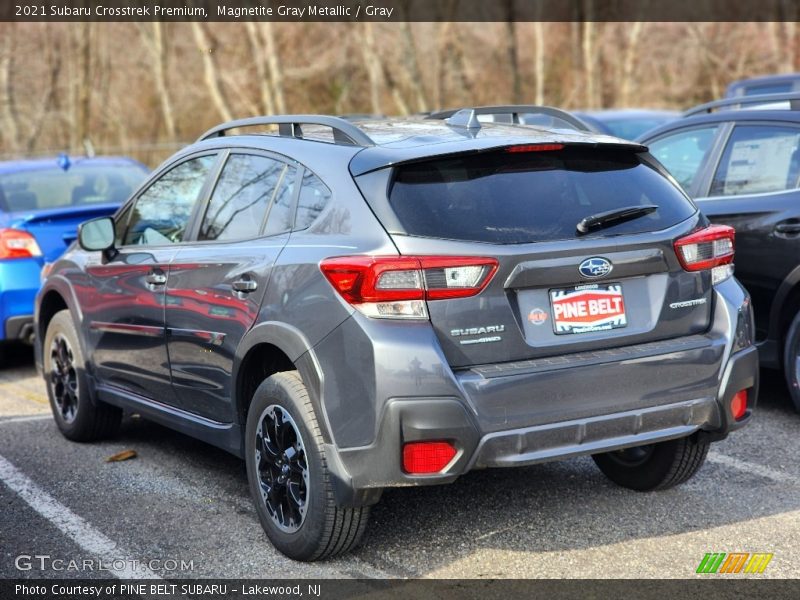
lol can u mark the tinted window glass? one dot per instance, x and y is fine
(314, 197)
(241, 198)
(161, 214)
(280, 215)
(81, 184)
(630, 129)
(683, 153)
(511, 198)
(768, 88)
(758, 159)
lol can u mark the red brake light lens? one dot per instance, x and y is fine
(707, 248)
(427, 457)
(535, 148)
(398, 286)
(739, 404)
(18, 244)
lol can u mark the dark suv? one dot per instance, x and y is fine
(351, 306)
(741, 163)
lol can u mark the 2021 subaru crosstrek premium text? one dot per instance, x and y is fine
(351, 306)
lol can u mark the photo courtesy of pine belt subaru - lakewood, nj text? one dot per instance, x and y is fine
(351, 305)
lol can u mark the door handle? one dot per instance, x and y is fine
(788, 228)
(245, 286)
(156, 279)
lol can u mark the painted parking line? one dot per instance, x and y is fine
(74, 527)
(4, 420)
(753, 468)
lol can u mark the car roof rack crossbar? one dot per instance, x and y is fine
(792, 97)
(344, 132)
(513, 112)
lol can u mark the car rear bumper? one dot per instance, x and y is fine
(409, 420)
(514, 414)
(19, 283)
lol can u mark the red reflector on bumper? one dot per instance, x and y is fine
(739, 404)
(427, 457)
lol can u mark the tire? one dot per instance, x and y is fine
(299, 515)
(77, 417)
(791, 361)
(655, 466)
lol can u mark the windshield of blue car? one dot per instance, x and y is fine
(51, 188)
(631, 129)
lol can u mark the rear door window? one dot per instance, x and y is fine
(758, 159)
(241, 198)
(281, 213)
(521, 197)
(684, 153)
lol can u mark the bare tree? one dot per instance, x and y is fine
(589, 59)
(538, 62)
(373, 66)
(629, 61)
(413, 72)
(8, 111)
(513, 58)
(152, 35)
(211, 72)
(274, 65)
(260, 63)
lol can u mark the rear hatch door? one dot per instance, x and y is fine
(556, 290)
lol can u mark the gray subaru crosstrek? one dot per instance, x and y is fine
(356, 305)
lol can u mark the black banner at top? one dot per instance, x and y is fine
(399, 10)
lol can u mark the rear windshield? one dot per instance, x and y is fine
(521, 197)
(80, 185)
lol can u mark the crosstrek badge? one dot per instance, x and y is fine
(587, 308)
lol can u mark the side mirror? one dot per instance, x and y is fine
(97, 234)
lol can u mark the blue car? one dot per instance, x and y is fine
(626, 123)
(42, 202)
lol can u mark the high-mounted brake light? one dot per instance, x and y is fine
(535, 148)
(397, 287)
(18, 244)
(709, 248)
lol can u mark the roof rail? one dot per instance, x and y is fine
(344, 132)
(792, 97)
(513, 111)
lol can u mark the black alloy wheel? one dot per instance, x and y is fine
(64, 378)
(282, 468)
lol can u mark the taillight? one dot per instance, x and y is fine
(18, 244)
(427, 457)
(709, 248)
(397, 287)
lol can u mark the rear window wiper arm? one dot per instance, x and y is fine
(613, 217)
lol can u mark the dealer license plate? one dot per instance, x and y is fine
(588, 308)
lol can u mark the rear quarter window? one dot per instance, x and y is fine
(513, 198)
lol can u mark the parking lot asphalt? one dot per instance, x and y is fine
(182, 500)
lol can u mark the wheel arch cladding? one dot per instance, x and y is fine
(261, 361)
(51, 303)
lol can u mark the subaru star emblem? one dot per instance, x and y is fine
(595, 267)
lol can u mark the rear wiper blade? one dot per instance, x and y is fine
(612, 217)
